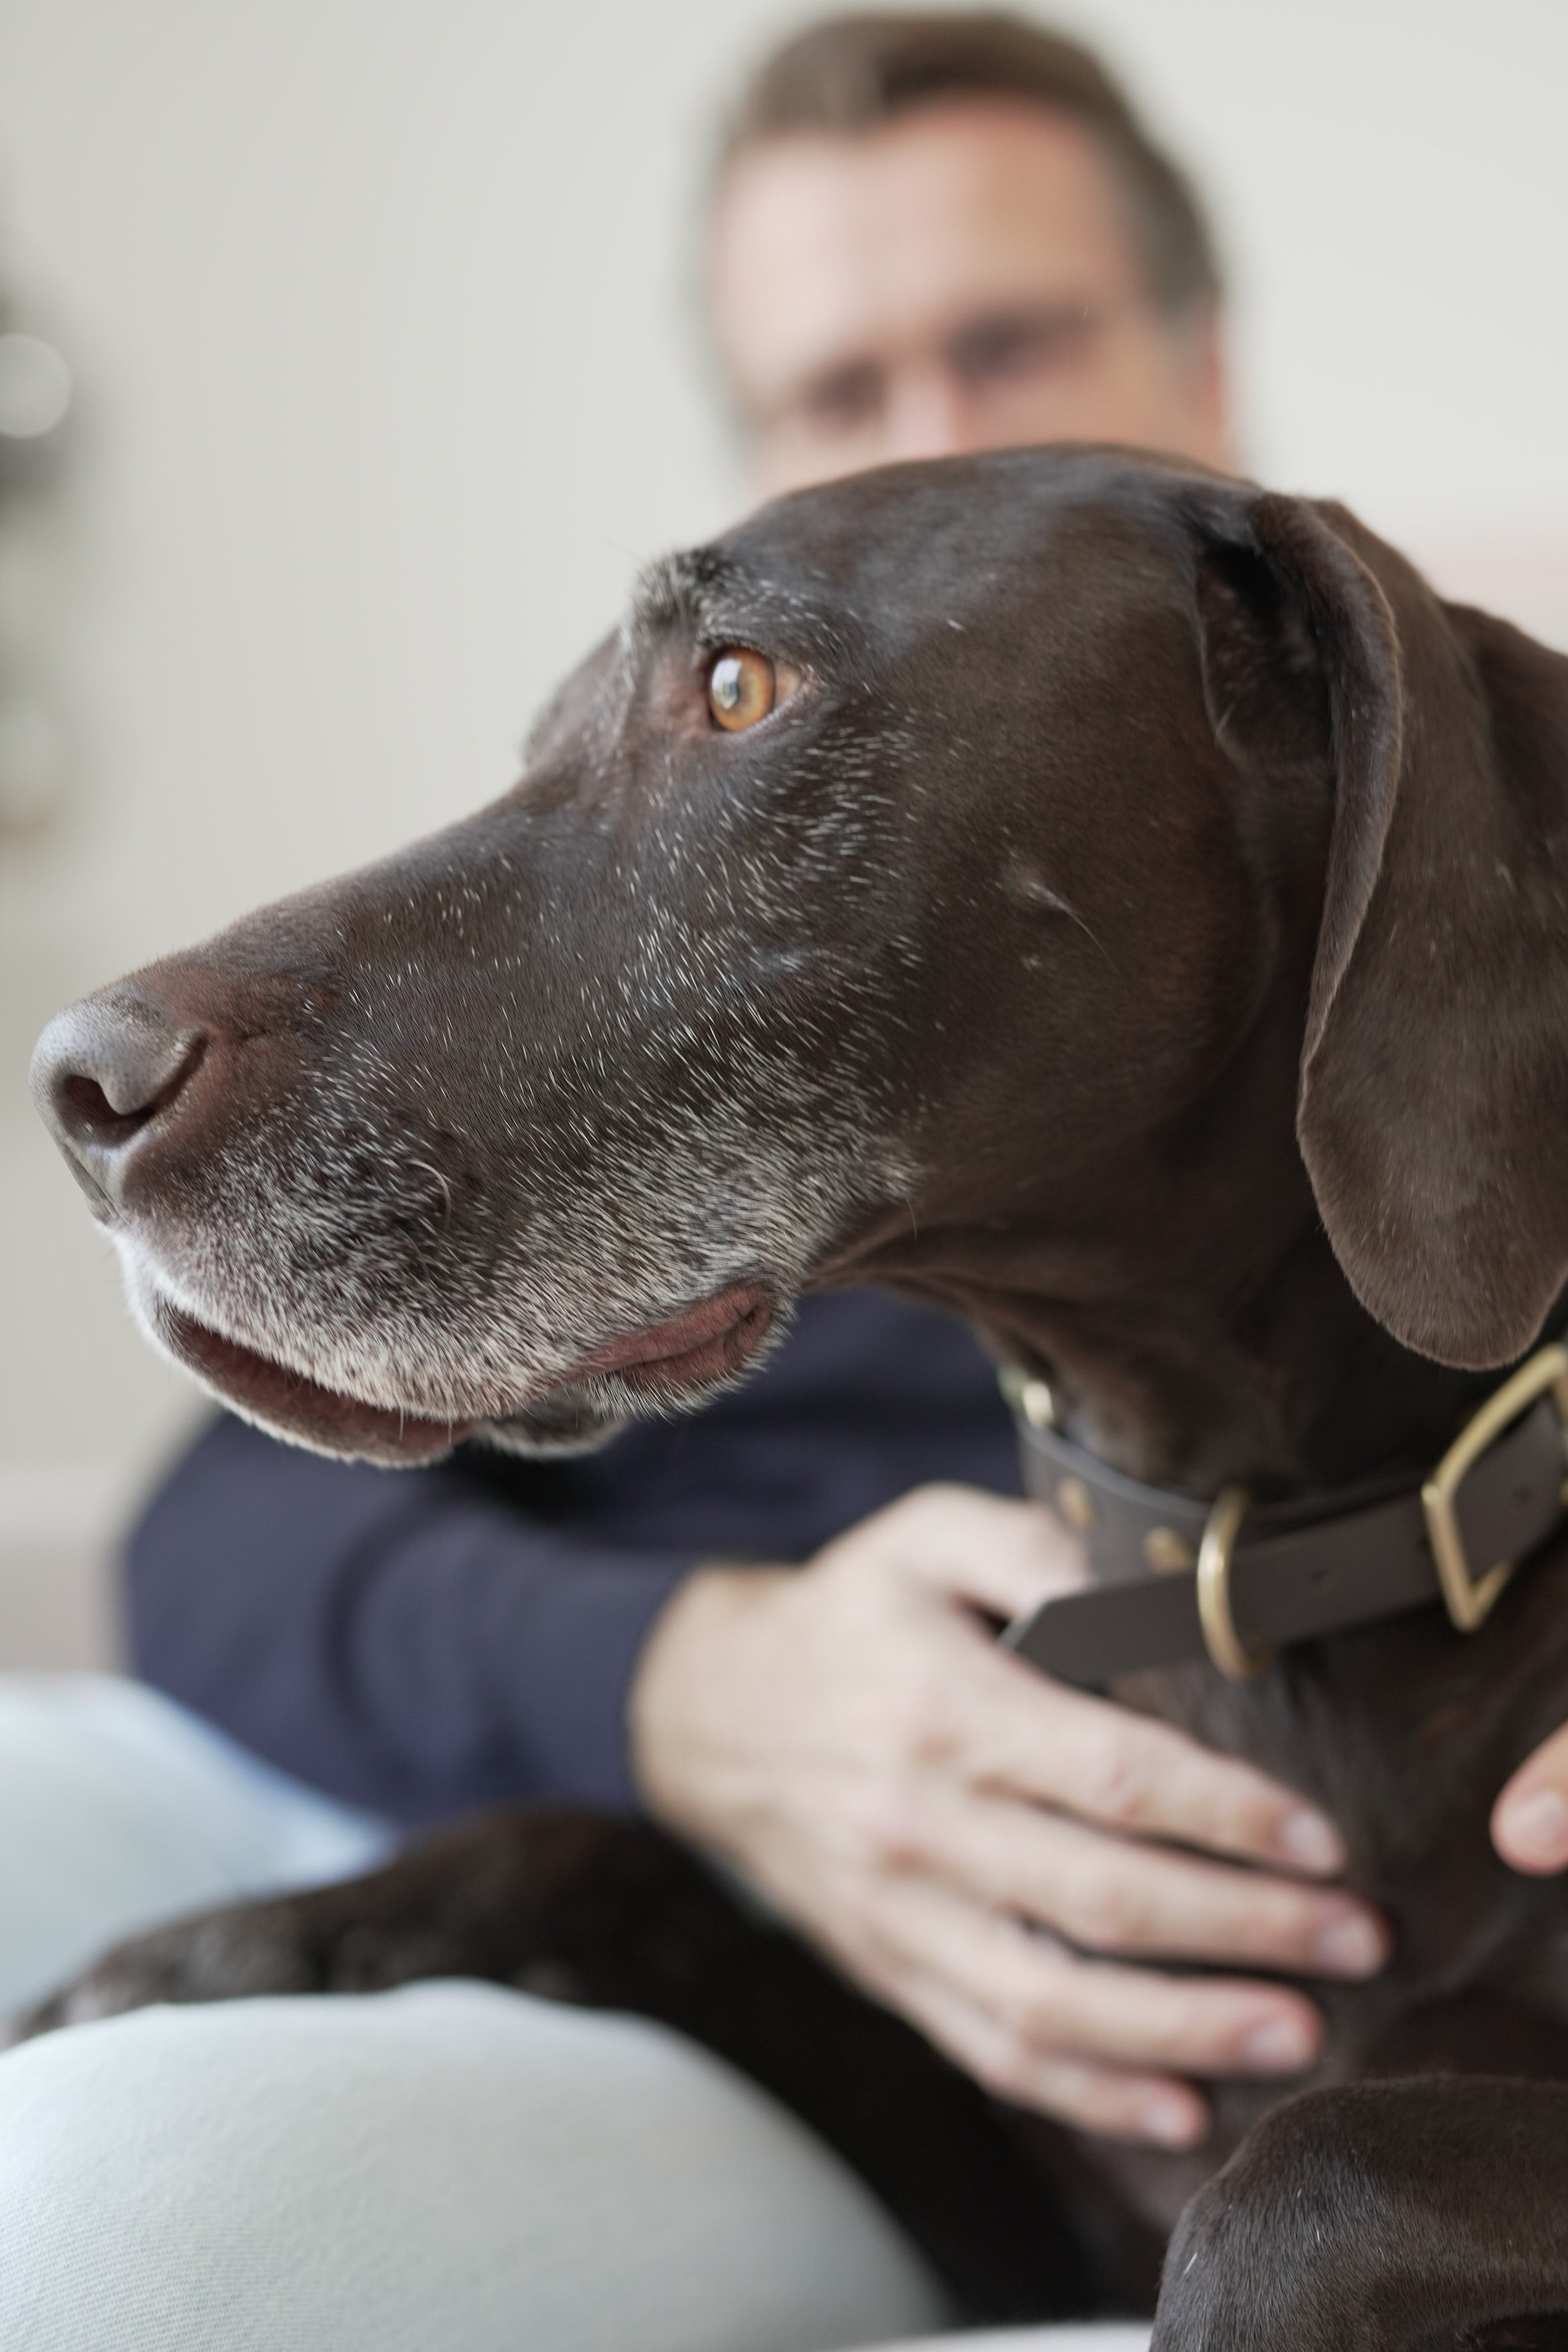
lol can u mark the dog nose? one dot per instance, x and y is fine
(103, 1071)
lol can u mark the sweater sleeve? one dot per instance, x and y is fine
(422, 1642)
(414, 1643)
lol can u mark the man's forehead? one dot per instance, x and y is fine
(832, 246)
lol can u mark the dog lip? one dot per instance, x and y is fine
(702, 1343)
(699, 1344)
(297, 1406)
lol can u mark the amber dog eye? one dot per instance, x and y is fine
(742, 687)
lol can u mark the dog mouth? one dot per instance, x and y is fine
(296, 1406)
(687, 1351)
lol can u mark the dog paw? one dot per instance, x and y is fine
(227, 1954)
(1272, 2254)
(1205, 2302)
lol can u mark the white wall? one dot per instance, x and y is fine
(381, 317)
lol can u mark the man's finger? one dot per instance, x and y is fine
(1081, 1753)
(1002, 1557)
(1045, 1740)
(1060, 2005)
(1123, 2105)
(1108, 1895)
(1530, 1820)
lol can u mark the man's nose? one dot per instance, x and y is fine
(928, 414)
(103, 1072)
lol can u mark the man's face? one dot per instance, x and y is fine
(959, 278)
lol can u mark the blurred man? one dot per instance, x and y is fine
(926, 235)
(936, 234)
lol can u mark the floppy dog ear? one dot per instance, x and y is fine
(1433, 1108)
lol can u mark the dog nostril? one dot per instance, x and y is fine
(105, 1069)
(90, 1115)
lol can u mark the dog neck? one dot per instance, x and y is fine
(1186, 1308)
(1288, 1387)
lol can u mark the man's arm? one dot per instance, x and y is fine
(412, 1643)
(423, 1641)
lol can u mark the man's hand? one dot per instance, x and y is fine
(1530, 1820)
(961, 1832)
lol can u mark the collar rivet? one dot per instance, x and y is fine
(1166, 1551)
(1076, 1503)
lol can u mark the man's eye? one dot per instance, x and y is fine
(742, 687)
(845, 400)
(1012, 345)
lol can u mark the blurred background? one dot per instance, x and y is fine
(349, 367)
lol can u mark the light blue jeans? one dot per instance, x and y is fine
(449, 2168)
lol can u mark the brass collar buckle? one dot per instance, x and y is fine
(1225, 1646)
(1469, 1598)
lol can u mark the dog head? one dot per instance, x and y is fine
(913, 860)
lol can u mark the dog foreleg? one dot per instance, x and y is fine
(1379, 2216)
(609, 1913)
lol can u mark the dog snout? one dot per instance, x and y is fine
(103, 1072)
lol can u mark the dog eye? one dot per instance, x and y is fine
(742, 687)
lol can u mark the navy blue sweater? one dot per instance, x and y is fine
(420, 1642)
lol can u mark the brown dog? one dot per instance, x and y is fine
(1120, 906)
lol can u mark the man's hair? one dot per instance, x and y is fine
(852, 73)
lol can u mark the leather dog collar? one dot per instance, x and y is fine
(1179, 1578)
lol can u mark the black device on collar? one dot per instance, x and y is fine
(1178, 1579)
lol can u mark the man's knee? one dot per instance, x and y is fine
(451, 2163)
(117, 1808)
